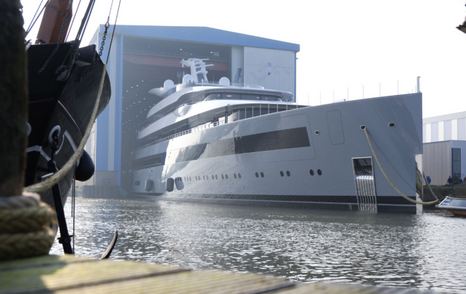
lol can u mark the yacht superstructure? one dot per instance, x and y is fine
(205, 141)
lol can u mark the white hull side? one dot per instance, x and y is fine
(335, 136)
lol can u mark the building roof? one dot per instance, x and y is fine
(201, 35)
(456, 115)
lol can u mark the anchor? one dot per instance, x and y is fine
(65, 237)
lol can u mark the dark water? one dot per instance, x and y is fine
(426, 251)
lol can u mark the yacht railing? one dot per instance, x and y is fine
(263, 109)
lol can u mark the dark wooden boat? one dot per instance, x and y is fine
(63, 83)
(456, 206)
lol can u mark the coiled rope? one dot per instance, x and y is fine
(387, 178)
(25, 226)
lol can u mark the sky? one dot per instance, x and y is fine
(350, 49)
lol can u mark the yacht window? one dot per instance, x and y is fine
(271, 98)
(213, 96)
(231, 96)
(250, 97)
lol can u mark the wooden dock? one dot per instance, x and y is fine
(70, 274)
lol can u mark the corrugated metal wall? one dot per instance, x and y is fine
(437, 161)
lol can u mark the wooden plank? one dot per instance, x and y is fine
(69, 274)
(46, 260)
(192, 282)
(74, 273)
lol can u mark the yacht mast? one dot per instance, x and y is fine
(55, 22)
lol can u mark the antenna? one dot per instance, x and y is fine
(418, 84)
(198, 69)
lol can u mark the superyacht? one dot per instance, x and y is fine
(236, 143)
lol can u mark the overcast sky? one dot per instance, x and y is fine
(349, 48)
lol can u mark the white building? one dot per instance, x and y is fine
(445, 127)
(143, 57)
(444, 153)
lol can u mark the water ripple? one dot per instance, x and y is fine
(304, 245)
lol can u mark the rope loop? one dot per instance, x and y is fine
(387, 178)
(25, 226)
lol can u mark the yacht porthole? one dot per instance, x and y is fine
(262, 174)
(239, 175)
(391, 124)
(226, 177)
(311, 172)
(288, 173)
(317, 132)
(319, 172)
(281, 173)
(257, 174)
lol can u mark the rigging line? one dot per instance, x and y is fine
(104, 35)
(85, 20)
(72, 20)
(34, 20)
(113, 31)
(34, 16)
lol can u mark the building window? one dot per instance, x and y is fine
(456, 163)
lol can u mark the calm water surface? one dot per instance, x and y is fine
(426, 251)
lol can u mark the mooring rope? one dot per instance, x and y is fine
(387, 178)
(58, 176)
(25, 226)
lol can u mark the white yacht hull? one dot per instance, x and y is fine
(282, 149)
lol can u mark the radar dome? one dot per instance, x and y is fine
(224, 81)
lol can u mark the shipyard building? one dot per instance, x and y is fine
(143, 57)
(445, 148)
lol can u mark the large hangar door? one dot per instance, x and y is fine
(272, 69)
